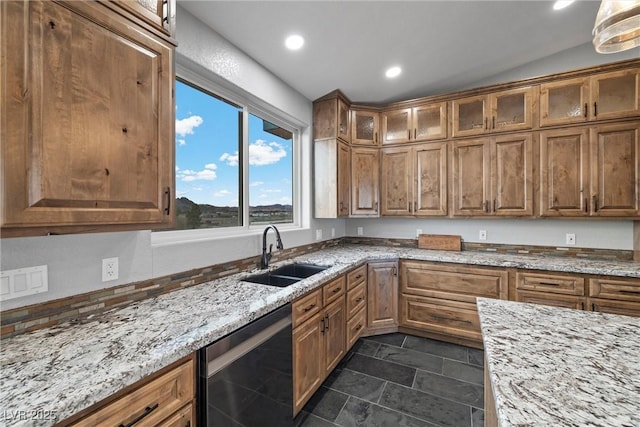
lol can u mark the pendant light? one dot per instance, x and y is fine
(617, 26)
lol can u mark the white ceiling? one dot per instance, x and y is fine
(440, 45)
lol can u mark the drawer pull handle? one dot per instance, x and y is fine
(359, 299)
(336, 290)
(326, 317)
(549, 284)
(322, 328)
(147, 411)
(359, 276)
(306, 309)
(358, 327)
(630, 292)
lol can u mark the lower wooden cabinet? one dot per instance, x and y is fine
(615, 295)
(440, 299)
(319, 340)
(167, 400)
(550, 288)
(382, 289)
(356, 304)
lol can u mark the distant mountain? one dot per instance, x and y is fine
(184, 205)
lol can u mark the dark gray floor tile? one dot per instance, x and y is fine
(356, 384)
(477, 417)
(437, 348)
(381, 369)
(425, 406)
(305, 419)
(326, 403)
(415, 359)
(366, 347)
(463, 371)
(391, 339)
(358, 413)
(476, 357)
(450, 388)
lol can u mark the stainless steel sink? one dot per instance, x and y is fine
(286, 275)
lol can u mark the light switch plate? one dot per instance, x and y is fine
(23, 281)
(319, 234)
(360, 231)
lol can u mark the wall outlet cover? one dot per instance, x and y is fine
(482, 235)
(109, 269)
(319, 234)
(360, 231)
(570, 239)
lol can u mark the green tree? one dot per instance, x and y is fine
(193, 216)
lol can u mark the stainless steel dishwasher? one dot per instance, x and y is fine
(245, 378)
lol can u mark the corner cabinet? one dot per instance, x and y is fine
(87, 120)
(382, 294)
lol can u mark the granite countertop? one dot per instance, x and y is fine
(67, 368)
(553, 366)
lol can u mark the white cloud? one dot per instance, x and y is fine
(256, 183)
(207, 174)
(272, 190)
(182, 142)
(187, 125)
(230, 159)
(221, 193)
(260, 153)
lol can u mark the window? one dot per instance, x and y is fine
(222, 178)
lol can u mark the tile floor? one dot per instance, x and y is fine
(399, 380)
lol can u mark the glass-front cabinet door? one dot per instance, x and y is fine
(564, 102)
(430, 122)
(364, 127)
(396, 126)
(470, 116)
(512, 110)
(615, 95)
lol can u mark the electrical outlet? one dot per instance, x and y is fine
(109, 269)
(418, 232)
(333, 233)
(482, 235)
(570, 239)
(319, 234)
(360, 231)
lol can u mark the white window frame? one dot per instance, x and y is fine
(250, 105)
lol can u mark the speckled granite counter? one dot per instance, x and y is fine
(69, 367)
(553, 366)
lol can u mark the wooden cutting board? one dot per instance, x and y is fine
(442, 242)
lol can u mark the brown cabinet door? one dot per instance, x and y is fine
(364, 127)
(471, 177)
(470, 116)
(335, 334)
(429, 122)
(625, 308)
(512, 175)
(344, 179)
(159, 13)
(430, 179)
(564, 172)
(564, 102)
(512, 110)
(615, 179)
(308, 364)
(344, 122)
(396, 181)
(382, 308)
(331, 118)
(364, 181)
(396, 126)
(92, 145)
(332, 178)
(615, 95)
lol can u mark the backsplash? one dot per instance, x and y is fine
(78, 307)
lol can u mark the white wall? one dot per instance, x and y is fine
(75, 261)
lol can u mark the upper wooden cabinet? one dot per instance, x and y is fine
(421, 123)
(503, 111)
(603, 96)
(160, 14)
(364, 181)
(87, 121)
(331, 118)
(591, 171)
(493, 176)
(332, 178)
(364, 127)
(415, 180)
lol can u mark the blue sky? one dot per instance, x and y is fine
(207, 154)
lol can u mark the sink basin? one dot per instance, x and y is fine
(286, 275)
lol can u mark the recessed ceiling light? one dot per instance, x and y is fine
(294, 42)
(393, 72)
(561, 4)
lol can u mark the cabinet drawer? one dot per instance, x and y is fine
(555, 300)
(356, 276)
(458, 283)
(615, 288)
(333, 290)
(553, 283)
(356, 299)
(624, 308)
(306, 307)
(459, 319)
(355, 327)
(182, 418)
(159, 398)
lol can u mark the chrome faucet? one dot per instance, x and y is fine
(266, 257)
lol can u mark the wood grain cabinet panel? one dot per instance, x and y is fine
(419, 123)
(335, 335)
(365, 127)
(356, 326)
(550, 288)
(615, 295)
(471, 177)
(332, 178)
(88, 140)
(365, 181)
(382, 294)
(308, 359)
(356, 276)
(331, 117)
